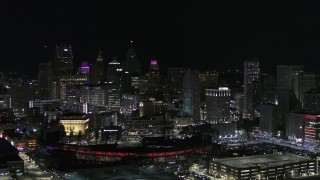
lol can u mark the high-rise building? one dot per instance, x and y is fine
(63, 60)
(93, 94)
(114, 71)
(269, 89)
(67, 83)
(303, 82)
(98, 70)
(208, 80)
(143, 85)
(287, 102)
(21, 93)
(268, 119)
(251, 86)
(295, 126)
(311, 101)
(191, 94)
(218, 105)
(84, 68)
(175, 80)
(286, 75)
(154, 77)
(113, 97)
(45, 77)
(132, 64)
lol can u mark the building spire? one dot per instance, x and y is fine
(131, 43)
(100, 53)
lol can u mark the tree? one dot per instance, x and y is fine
(79, 136)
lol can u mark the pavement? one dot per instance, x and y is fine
(32, 171)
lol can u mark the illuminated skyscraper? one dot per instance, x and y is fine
(63, 60)
(251, 86)
(191, 94)
(208, 80)
(218, 105)
(154, 76)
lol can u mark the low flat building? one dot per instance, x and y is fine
(269, 166)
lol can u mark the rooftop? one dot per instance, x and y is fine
(263, 161)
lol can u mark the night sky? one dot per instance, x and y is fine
(176, 34)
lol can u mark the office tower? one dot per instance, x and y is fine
(63, 60)
(269, 88)
(303, 82)
(311, 101)
(98, 70)
(191, 94)
(251, 87)
(132, 63)
(45, 77)
(285, 76)
(143, 85)
(154, 77)
(21, 93)
(113, 97)
(175, 80)
(295, 126)
(93, 94)
(67, 83)
(114, 70)
(287, 102)
(208, 80)
(218, 105)
(84, 68)
(268, 124)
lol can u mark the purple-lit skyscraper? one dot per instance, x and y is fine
(154, 77)
(84, 68)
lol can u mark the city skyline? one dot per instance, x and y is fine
(177, 35)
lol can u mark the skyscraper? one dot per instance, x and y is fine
(218, 105)
(208, 80)
(191, 94)
(251, 86)
(286, 75)
(132, 63)
(175, 81)
(63, 60)
(268, 119)
(303, 82)
(98, 70)
(45, 77)
(114, 71)
(154, 76)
